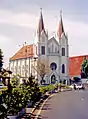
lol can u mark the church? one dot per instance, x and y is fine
(54, 52)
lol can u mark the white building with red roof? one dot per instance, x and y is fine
(55, 51)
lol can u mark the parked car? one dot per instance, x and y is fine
(80, 86)
(2, 86)
(77, 86)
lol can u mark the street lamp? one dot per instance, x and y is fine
(35, 64)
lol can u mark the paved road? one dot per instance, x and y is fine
(66, 105)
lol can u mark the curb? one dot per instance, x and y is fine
(42, 106)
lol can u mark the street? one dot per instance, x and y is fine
(66, 105)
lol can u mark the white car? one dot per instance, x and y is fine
(77, 86)
(80, 86)
(2, 86)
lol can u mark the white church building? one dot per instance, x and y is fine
(54, 51)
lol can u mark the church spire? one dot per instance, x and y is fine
(60, 28)
(41, 23)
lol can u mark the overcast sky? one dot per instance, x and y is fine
(19, 21)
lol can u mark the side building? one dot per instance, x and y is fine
(23, 61)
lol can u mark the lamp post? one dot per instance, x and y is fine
(34, 64)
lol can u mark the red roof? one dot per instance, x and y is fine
(24, 52)
(75, 65)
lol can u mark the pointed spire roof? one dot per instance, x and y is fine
(41, 23)
(60, 28)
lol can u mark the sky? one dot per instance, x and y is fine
(19, 22)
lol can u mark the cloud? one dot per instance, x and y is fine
(77, 33)
(18, 19)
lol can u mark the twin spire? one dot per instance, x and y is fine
(41, 25)
(60, 28)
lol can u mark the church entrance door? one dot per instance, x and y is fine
(53, 79)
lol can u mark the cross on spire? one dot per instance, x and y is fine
(60, 13)
(41, 9)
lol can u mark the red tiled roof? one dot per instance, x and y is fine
(75, 65)
(24, 52)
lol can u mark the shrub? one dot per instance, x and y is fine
(44, 89)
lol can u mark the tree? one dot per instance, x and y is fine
(84, 69)
(15, 80)
(42, 69)
(1, 59)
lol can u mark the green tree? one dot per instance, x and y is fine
(84, 69)
(15, 80)
(34, 89)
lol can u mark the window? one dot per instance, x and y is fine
(15, 69)
(63, 68)
(22, 69)
(55, 49)
(27, 68)
(19, 69)
(52, 47)
(43, 50)
(48, 50)
(63, 51)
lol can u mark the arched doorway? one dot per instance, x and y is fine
(53, 79)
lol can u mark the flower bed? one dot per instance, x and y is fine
(44, 89)
(64, 86)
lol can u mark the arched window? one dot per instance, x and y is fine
(63, 51)
(63, 68)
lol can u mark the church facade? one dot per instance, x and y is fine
(53, 51)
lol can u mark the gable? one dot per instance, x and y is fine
(53, 46)
(53, 40)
